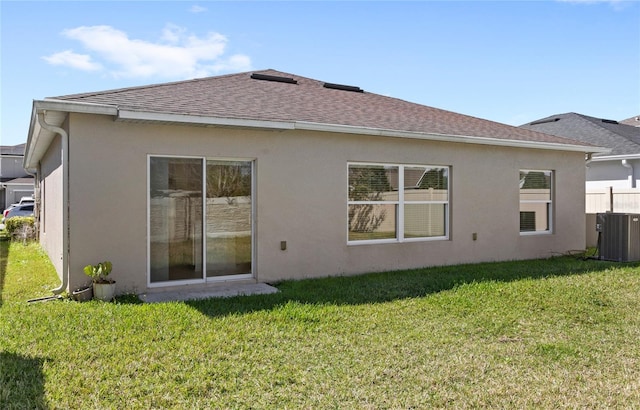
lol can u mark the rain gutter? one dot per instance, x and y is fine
(65, 198)
(144, 116)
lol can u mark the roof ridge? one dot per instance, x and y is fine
(154, 85)
(592, 121)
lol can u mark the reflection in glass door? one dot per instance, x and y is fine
(177, 245)
(228, 222)
(175, 219)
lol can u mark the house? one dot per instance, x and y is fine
(266, 176)
(619, 168)
(14, 180)
(613, 178)
(633, 121)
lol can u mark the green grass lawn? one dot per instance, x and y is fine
(557, 333)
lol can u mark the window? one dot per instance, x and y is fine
(536, 200)
(391, 203)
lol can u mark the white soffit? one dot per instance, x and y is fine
(129, 115)
(39, 139)
(56, 111)
(449, 138)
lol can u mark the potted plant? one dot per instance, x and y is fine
(104, 288)
(83, 293)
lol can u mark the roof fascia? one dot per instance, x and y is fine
(29, 162)
(74, 106)
(39, 139)
(131, 115)
(346, 129)
(615, 157)
(451, 138)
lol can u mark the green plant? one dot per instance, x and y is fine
(98, 273)
(493, 335)
(21, 226)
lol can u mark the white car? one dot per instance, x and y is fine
(18, 210)
(25, 200)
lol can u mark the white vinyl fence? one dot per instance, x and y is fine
(624, 200)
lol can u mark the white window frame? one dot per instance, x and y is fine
(549, 202)
(204, 278)
(400, 203)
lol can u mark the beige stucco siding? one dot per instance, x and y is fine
(51, 203)
(301, 198)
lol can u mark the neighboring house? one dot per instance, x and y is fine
(14, 180)
(619, 168)
(633, 121)
(266, 176)
(613, 178)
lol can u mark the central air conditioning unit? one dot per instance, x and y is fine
(619, 237)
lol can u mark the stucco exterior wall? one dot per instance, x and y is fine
(301, 198)
(51, 229)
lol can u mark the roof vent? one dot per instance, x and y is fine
(609, 121)
(545, 121)
(274, 78)
(343, 87)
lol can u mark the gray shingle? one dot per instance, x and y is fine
(621, 138)
(238, 96)
(633, 121)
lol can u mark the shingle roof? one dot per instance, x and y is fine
(12, 149)
(21, 181)
(239, 96)
(633, 121)
(622, 139)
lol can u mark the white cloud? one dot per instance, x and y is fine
(197, 9)
(71, 59)
(177, 54)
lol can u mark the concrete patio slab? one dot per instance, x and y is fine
(222, 291)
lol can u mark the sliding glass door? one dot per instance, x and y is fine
(199, 210)
(229, 221)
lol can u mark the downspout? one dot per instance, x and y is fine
(65, 199)
(632, 181)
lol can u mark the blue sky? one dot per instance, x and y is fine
(506, 61)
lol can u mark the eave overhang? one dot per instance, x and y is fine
(55, 112)
(601, 158)
(143, 116)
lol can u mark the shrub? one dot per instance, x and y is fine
(21, 227)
